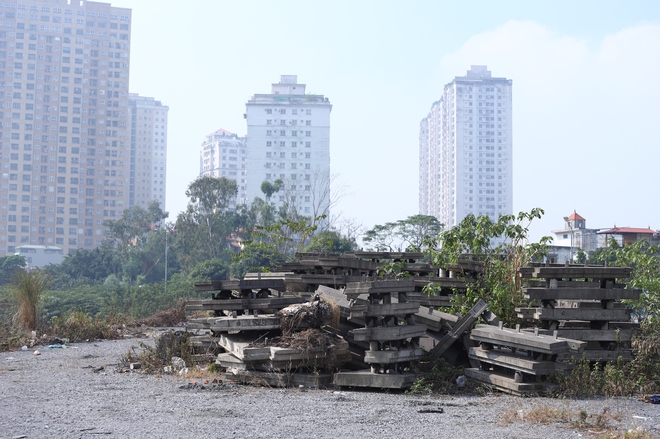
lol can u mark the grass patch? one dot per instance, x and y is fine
(600, 423)
(81, 326)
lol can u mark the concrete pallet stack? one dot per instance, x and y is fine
(390, 331)
(246, 325)
(518, 362)
(312, 270)
(583, 303)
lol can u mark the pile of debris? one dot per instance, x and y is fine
(331, 319)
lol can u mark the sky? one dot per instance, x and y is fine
(586, 92)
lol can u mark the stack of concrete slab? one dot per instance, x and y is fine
(390, 331)
(518, 362)
(583, 303)
(247, 326)
(311, 270)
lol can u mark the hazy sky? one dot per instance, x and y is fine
(586, 91)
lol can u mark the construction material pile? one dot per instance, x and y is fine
(365, 320)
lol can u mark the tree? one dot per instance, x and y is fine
(499, 284)
(409, 234)
(203, 229)
(269, 188)
(330, 241)
(272, 244)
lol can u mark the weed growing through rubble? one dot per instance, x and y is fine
(436, 376)
(641, 376)
(154, 359)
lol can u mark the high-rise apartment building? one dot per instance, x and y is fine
(65, 142)
(223, 154)
(148, 159)
(288, 138)
(465, 150)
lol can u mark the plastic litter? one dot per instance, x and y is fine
(55, 346)
(655, 399)
(24, 348)
(460, 381)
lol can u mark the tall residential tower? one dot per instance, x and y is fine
(148, 160)
(288, 138)
(223, 154)
(465, 150)
(65, 142)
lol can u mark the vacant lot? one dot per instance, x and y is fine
(63, 393)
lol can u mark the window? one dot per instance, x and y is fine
(308, 133)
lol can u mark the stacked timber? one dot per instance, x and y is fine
(249, 317)
(389, 330)
(583, 303)
(518, 362)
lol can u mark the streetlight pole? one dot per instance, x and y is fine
(165, 259)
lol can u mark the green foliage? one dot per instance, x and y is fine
(213, 269)
(436, 376)
(410, 234)
(644, 259)
(330, 241)
(392, 270)
(500, 284)
(273, 244)
(27, 288)
(269, 188)
(8, 267)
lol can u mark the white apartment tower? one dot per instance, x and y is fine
(223, 154)
(148, 161)
(288, 138)
(63, 123)
(465, 150)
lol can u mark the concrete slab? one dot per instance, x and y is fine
(518, 361)
(389, 357)
(573, 314)
(386, 333)
(524, 340)
(355, 289)
(384, 309)
(580, 293)
(274, 379)
(365, 378)
(244, 323)
(609, 335)
(243, 304)
(576, 272)
(508, 384)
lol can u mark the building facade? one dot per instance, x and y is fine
(148, 155)
(288, 138)
(224, 154)
(65, 142)
(465, 150)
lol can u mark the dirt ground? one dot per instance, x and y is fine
(79, 392)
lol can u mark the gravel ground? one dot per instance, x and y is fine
(60, 394)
